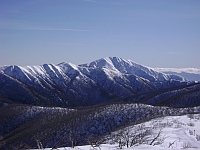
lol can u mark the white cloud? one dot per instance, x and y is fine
(179, 70)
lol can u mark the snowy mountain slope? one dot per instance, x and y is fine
(24, 125)
(130, 67)
(193, 74)
(178, 132)
(49, 84)
(66, 84)
(175, 97)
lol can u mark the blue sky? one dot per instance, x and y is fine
(155, 33)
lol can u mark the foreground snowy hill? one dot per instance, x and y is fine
(22, 126)
(176, 132)
(104, 80)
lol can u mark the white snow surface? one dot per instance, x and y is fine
(179, 130)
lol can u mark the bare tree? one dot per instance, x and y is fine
(156, 138)
(118, 137)
(39, 145)
(95, 142)
(129, 137)
(170, 144)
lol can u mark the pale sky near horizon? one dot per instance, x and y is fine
(155, 33)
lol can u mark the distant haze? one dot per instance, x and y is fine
(192, 74)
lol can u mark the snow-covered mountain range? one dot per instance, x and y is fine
(118, 86)
(104, 80)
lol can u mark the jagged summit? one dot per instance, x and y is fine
(130, 67)
(100, 63)
(109, 62)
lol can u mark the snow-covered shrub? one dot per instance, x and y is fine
(187, 145)
(198, 137)
(190, 124)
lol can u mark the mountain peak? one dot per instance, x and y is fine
(130, 68)
(107, 62)
(100, 63)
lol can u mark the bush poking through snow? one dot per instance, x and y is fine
(191, 116)
(95, 142)
(191, 124)
(171, 143)
(187, 145)
(198, 137)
